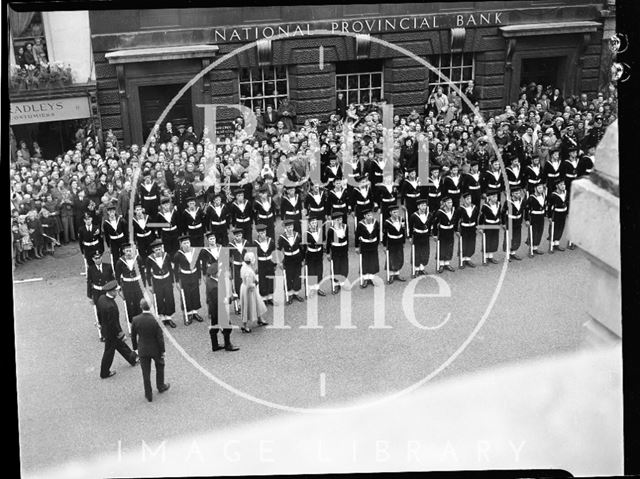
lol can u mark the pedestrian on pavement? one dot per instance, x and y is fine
(148, 340)
(109, 318)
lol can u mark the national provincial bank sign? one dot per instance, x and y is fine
(371, 25)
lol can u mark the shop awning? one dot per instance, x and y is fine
(555, 28)
(155, 54)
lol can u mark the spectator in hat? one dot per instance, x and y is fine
(26, 245)
(35, 232)
(556, 102)
(431, 109)
(287, 114)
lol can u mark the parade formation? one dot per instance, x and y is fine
(254, 196)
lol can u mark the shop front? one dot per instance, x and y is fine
(500, 48)
(50, 120)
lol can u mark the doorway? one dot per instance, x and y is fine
(543, 71)
(155, 98)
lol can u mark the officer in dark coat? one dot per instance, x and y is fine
(148, 340)
(212, 277)
(98, 275)
(182, 191)
(109, 317)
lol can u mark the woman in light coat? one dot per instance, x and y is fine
(251, 303)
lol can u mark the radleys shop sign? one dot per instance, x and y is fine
(436, 21)
(40, 111)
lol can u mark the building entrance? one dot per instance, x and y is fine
(543, 71)
(155, 98)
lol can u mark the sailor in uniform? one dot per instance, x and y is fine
(265, 246)
(338, 251)
(290, 244)
(535, 210)
(419, 230)
(490, 216)
(187, 274)
(129, 272)
(513, 232)
(368, 234)
(467, 216)
(314, 253)
(442, 223)
(159, 272)
(394, 237)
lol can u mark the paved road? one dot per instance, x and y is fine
(67, 412)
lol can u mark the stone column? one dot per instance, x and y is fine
(594, 226)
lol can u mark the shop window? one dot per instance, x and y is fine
(458, 67)
(361, 82)
(260, 87)
(27, 32)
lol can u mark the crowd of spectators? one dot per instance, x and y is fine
(33, 54)
(50, 196)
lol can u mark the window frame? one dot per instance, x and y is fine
(366, 70)
(17, 42)
(450, 68)
(262, 82)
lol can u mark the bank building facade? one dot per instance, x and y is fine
(144, 57)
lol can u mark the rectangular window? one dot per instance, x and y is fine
(27, 32)
(361, 82)
(458, 67)
(260, 87)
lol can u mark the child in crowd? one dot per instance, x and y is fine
(25, 238)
